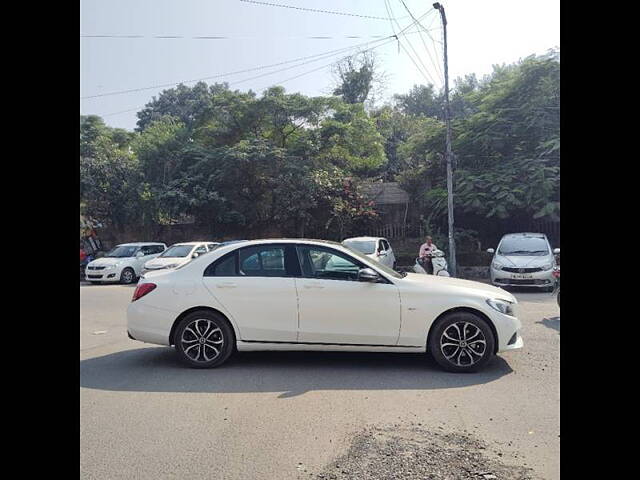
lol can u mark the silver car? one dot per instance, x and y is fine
(524, 260)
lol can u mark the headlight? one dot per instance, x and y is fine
(173, 265)
(111, 267)
(546, 266)
(501, 306)
(496, 265)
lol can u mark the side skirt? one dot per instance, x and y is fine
(323, 347)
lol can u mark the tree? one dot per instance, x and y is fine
(356, 76)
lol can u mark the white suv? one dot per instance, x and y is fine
(376, 248)
(124, 263)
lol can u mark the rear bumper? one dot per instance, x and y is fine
(149, 324)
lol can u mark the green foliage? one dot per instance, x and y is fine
(234, 159)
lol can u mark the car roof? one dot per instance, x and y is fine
(364, 238)
(139, 244)
(191, 243)
(524, 234)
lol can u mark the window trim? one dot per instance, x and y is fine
(383, 278)
(288, 249)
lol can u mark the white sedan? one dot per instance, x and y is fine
(317, 295)
(376, 248)
(178, 254)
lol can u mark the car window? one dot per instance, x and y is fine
(200, 250)
(146, 250)
(262, 261)
(155, 249)
(323, 263)
(386, 245)
(225, 266)
(211, 246)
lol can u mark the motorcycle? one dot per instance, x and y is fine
(438, 261)
(556, 275)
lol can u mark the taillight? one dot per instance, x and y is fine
(142, 289)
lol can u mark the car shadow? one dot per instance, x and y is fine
(553, 322)
(158, 369)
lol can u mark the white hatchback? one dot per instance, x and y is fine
(124, 263)
(294, 294)
(178, 254)
(376, 248)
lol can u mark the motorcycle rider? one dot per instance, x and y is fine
(424, 256)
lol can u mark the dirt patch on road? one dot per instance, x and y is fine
(415, 453)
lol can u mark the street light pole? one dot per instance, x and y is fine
(447, 115)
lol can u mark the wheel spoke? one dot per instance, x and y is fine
(204, 352)
(188, 329)
(212, 332)
(474, 335)
(450, 338)
(449, 357)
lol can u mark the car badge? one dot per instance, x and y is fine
(521, 270)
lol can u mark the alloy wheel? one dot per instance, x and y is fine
(202, 340)
(127, 276)
(463, 344)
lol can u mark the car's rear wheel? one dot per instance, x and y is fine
(127, 276)
(204, 339)
(462, 342)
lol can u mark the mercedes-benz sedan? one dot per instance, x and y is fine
(297, 294)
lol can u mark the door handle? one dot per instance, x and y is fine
(226, 285)
(313, 286)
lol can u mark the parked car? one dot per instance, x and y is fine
(299, 294)
(524, 260)
(178, 254)
(376, 248)
(124, 263)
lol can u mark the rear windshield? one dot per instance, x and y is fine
(531, 246)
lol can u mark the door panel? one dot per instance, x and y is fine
(252, 285)
(264, 309)
(334, 307)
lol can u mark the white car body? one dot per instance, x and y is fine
(383, 252)
(519, 269)
(298, 312)
(109, 269)
(163, 261)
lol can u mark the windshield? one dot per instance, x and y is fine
(365, 246)
(530, 246)
(379, 266)
(177, 251)
(122, 251)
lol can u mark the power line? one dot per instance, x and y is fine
(333, 12)
(120, 92)
(281, 63)
(271, 73)
(421, 38)
(391, 19)
(221, 37)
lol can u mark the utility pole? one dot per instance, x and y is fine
(447, 115)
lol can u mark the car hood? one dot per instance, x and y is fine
(163, 262)
(105, 262)
(522, 261)
(465, 286)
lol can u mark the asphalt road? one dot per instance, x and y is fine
(293, 415)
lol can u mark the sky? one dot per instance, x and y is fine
(480, 35)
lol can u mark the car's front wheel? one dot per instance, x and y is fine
(204, 339)
(462, 342)
(127, 276)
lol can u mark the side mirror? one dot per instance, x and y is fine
(490, 250)
(139, 255)
(556, 251)
(195, 255)
(368, 275)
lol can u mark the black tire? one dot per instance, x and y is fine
(127, 276)
(205, 323)
(558, 297)
(479, 355)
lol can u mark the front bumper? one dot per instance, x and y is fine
(111, 275)
(544, 279)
